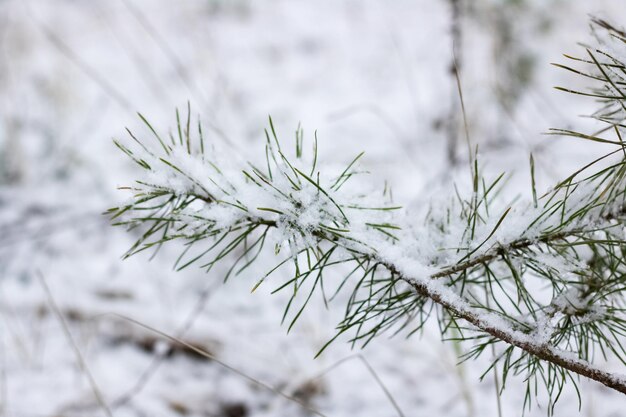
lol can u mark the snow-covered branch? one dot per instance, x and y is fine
(482, 264)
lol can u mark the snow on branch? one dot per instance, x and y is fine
(479, 265)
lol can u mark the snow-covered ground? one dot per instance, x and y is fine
(368, 75)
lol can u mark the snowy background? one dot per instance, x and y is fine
(369, 75)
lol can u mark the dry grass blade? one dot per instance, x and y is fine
(79, 356)
(208, 355)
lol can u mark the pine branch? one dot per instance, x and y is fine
(470, 260)
(489, 324)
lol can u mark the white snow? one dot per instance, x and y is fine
(370, 76)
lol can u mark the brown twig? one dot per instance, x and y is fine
(472, 316)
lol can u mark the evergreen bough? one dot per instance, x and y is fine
(540, 283)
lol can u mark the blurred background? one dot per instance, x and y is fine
(368, 75)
